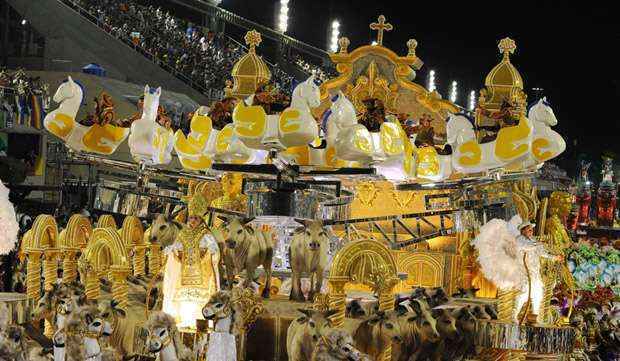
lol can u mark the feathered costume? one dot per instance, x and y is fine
(8, 222)
(500, 253)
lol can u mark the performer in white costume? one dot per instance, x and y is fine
(501, 246)
(191, 272)
(527, 244)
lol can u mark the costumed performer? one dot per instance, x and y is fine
(501, 246)
(191, 272)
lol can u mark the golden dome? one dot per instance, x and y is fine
(250, 71)
(504, 81)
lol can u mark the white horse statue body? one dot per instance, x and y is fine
(149, 142)
(546, 142)
(294, 127)
(511, 146)
(203, 144)
(101, 139)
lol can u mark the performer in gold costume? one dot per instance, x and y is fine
(233, 199)
(191, 270)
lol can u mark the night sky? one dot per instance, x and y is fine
(565, 48)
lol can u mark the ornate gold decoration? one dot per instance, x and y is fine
(366, 192)
(232, 198)
(403, 198)
(250, 71)
(381, 26)
(198, 206)
(525, 199)
(343, 44)
(372, 85)
(106, 254)
(321, 302)
(251, 305)
(412, 44)
(503, 83)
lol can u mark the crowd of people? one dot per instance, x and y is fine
(197, 55)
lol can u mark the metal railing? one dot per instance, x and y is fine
(210, 93)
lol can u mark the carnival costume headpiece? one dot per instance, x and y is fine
(526, 224)
(198, 206)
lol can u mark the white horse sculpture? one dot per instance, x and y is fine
(546, 142)
(294, 127)
(512, 145)
(149, 142)
(101, 139)
(389, 150)
(204, 144)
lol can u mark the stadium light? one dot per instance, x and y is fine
(283, 17)
(374, 42)
(431, 81)
(24, 22)
(453, 92)
(335, 35)
(472, 100)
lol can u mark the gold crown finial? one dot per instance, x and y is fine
(253, 39)
(507, 46)
(343, 43)
(412, 44)
(381, 26)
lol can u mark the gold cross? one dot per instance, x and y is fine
(381, 26)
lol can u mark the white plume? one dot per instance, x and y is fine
(8, 222)
(497, 253)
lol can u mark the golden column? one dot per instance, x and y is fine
(50, 268)
(69, 265)
(119, 274)
(92, 285)
(33, 274)
(138, 259)
(337, 299)
(155, 259)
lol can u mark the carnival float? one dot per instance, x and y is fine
(315, 226)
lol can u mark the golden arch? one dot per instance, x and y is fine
(106, 256)
(106, 249)
(43, 234)
(105, 221)
(132, 235)
(132, 232)
(368, 262)
(77, 233)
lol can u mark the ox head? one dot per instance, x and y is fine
(315, 236)
(423, 320)
(438, 296)
(340, 346)
(480, 313)
(45, 306)
(218, 306)
(446, 323)
(465, 320)
(236, 232)
(110, 311)
(387, 324)
(317, 322)
(164, 230)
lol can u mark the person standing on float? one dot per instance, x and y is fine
(191, 272)
(527, 244)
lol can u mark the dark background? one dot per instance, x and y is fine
(568, 49)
